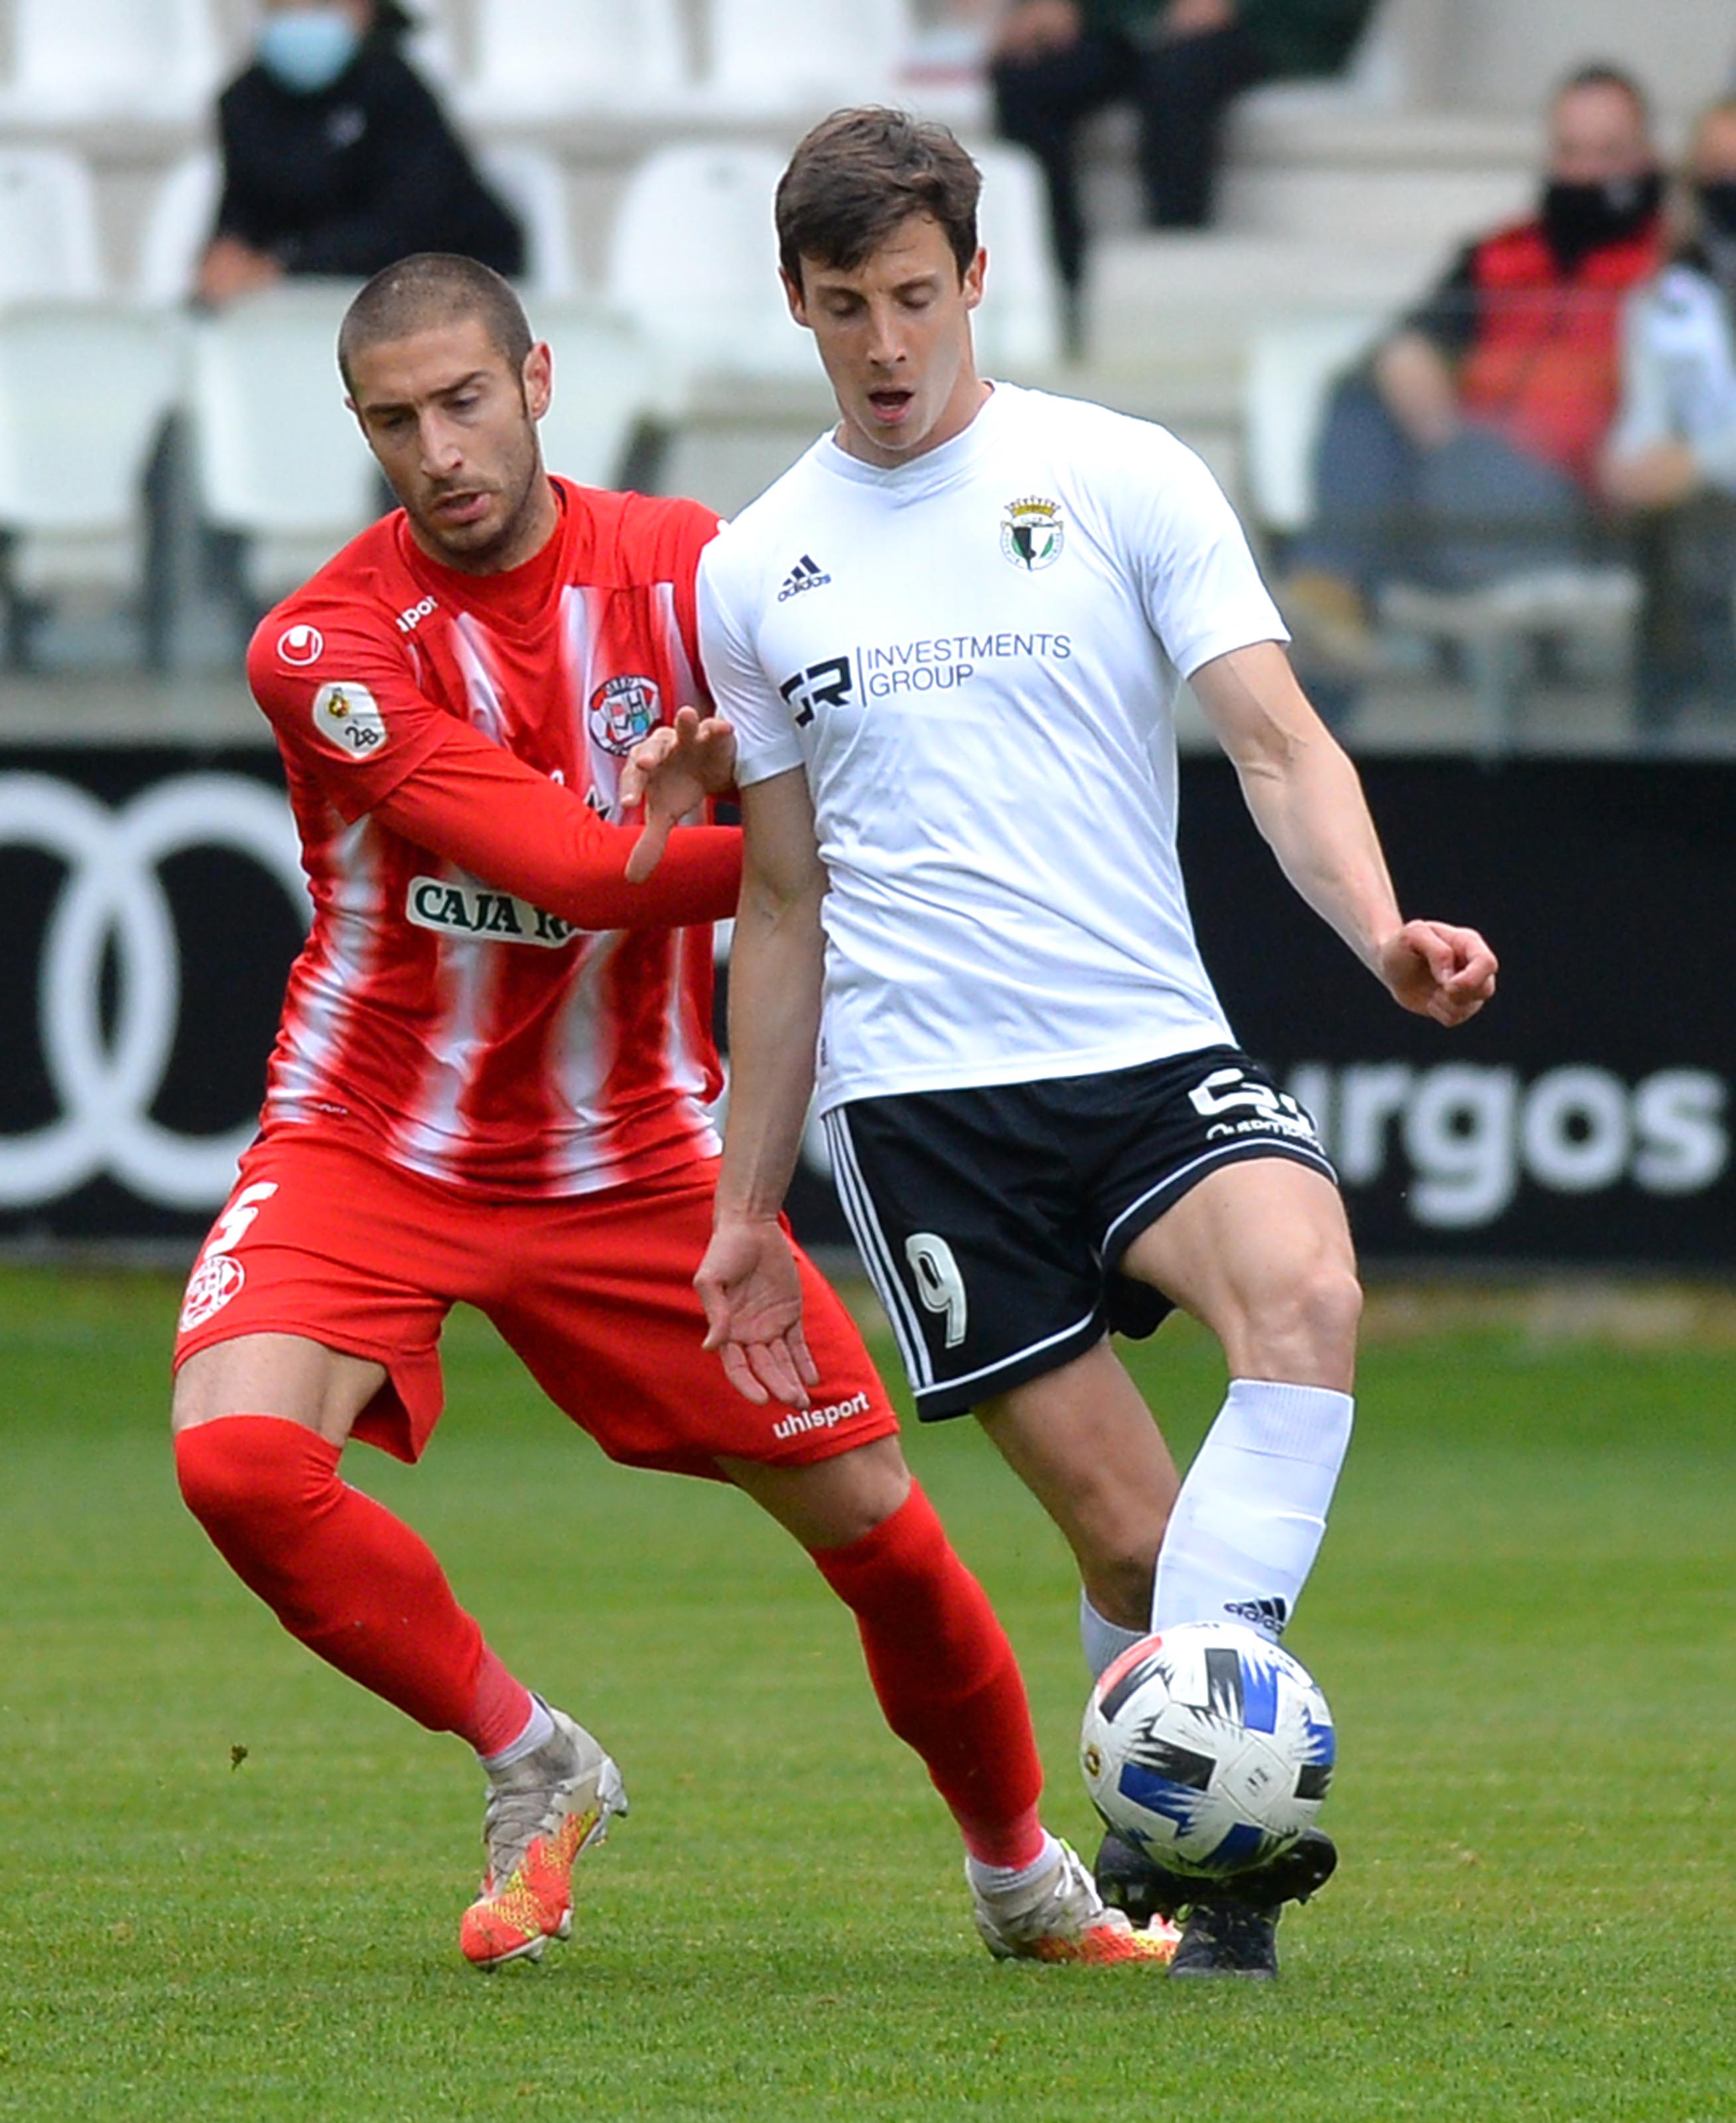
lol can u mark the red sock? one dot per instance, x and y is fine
(945, 1676)
(344, 1576)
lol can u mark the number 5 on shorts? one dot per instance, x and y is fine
(940, 1288)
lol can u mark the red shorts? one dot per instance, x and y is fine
(593, 1291)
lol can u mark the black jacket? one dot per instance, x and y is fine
(346, 181)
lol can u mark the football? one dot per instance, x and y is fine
(1208, 1748)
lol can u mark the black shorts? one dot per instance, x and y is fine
(991, 1219)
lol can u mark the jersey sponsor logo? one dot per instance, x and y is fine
(412, 617)
(806, 574)
(625, 711)
(1032, 532)
(347, 716)
(801, 1420)
(300, 646)
(828, 684)
(452, 909)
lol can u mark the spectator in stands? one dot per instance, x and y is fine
(337, 160)
(1179, 61)
(1671, 457)
(1465, 450)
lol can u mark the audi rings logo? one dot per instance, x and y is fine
(107, 1077)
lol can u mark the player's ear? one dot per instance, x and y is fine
(793, 295)
(538, 379)
(973, 282)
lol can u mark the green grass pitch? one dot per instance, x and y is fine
(1524, 1619)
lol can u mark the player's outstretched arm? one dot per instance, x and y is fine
(1307, 799)
(747, 1281)
(672, 773)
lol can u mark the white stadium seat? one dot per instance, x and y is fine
(542, 58)
(84, 388)
(277, 458)
(605, 385)
(693, 262)
(1291, 369)
(1018, 327)
(529, 182)
(73, 58)
(48, 227)
(177, 228)
(780, 54)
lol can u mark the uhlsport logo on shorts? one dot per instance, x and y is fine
(624, 713)
(802, 1419)
(1032, 532)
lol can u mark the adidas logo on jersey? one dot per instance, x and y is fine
(806, 574)
(1268, 1616)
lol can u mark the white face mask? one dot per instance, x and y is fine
(306, 49)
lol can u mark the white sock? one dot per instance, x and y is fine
(1001, 1879)
(540, 1727)
(1104, 1640)
(1248, 1523)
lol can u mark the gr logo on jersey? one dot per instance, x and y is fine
(624, 713)
(1032, 532)
(347, 716)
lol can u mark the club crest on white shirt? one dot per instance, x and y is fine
(1032, 532)
(347, 716)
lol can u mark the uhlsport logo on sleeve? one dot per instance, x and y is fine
(625, 711)
(1032, 532)
(347, 716)
(301, 645)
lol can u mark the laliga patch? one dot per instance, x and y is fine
(1032, 532)
(624, 713)
(213, 1283)
(347, 716)
(301, 646)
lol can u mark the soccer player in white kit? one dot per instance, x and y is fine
(949, 641)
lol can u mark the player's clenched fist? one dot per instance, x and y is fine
(1438, 971)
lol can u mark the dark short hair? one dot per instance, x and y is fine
(430, 288)
(1600, 73)
(861, 174)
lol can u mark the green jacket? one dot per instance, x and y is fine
(1294, 36)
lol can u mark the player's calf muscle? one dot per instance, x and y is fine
(288, 1375)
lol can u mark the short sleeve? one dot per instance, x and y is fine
(342, 698)
(766, 743)
(1189, 555)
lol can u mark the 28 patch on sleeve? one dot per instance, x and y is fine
(347, 716)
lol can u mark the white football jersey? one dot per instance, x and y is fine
(974, 658)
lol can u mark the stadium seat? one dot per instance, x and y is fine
(529, 181)
(693, 262)
(606, 388)
(543, 58)
(177, 227)
(84, 388)
(805, 55)
(77, 58)
(1018, 327)
(48, 227)
(1291, 369)
(278, 461)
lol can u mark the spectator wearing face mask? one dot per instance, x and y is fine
(1670, 460)
(337, 159)
(1465, 450)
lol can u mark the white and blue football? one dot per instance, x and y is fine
(1208, 1748)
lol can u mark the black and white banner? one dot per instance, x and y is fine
(153, 901)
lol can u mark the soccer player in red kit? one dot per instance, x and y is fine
(490, 1084)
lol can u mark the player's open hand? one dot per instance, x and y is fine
(672, 774)
(752, 1295)
(1438, 970)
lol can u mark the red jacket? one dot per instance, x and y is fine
(1540, 363)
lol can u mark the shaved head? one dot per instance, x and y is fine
(426, 292)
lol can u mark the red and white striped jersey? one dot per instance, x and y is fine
(450, 1018)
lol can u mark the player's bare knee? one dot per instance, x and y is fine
(1305, 1328)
